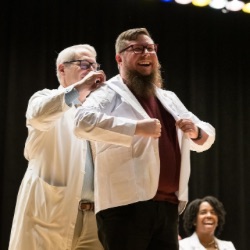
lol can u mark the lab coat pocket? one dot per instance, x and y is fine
(46, 203)
(123, 185)
(117, 169)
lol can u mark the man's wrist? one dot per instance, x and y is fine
(199, 136)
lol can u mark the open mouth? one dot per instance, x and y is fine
(144, 63)
(208, 224)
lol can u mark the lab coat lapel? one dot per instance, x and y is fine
(167, 103)
(170, 106)
(119, 87)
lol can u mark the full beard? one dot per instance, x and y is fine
(143, 85)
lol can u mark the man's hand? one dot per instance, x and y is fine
(148, 128)
(191, 130)
(92, 81)
(188, 127)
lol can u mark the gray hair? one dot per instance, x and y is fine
(70, 54)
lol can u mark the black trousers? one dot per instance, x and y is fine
(146, 225)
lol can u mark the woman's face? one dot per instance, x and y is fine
(206, 220)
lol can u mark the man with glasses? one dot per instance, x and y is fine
(55, 203)
(143, 136)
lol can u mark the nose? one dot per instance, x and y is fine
(145, 50)
(209, 214)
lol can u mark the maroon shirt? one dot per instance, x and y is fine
(169, 150)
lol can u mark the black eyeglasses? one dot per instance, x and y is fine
(84, 64)
(139, 48)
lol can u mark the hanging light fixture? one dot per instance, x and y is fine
(246, 8)
(225, 5)
(218, 4)
(183, 1)
(234, 5)
(200, 3)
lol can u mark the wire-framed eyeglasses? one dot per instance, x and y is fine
(139, 48)
(84, 64)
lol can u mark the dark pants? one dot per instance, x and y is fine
(146, 225)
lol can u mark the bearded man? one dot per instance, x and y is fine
(143, 136)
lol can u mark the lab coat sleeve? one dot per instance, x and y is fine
(45, 107)
(94, 120)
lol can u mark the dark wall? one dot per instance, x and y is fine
(205, 60)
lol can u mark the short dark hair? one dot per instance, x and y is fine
(129, 35)
(190, 214)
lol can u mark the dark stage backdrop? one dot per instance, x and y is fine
(205, 59)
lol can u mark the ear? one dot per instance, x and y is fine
(61, 68)
(118, 58)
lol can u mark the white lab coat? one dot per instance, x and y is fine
(126, 166)
(47, 202)
(193, 243)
